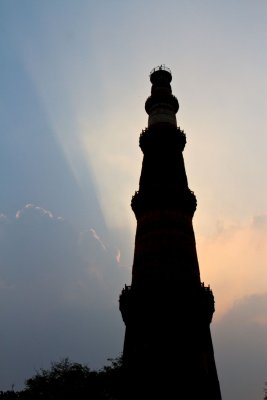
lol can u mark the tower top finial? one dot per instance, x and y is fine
(161, 67)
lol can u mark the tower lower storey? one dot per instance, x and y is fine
(168, 348)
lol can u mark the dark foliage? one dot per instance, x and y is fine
(70, 380)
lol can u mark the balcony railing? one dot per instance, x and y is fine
(161, 67)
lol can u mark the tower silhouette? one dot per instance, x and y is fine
(167, 310)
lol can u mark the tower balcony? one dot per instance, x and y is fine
(161, 136)
(161, 67)
(133, 304)
(125, 303)
(160, 75)
(147, 200)
(206, 303)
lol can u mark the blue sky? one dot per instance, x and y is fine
(74, 79)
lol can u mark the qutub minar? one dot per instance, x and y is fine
(167, 310)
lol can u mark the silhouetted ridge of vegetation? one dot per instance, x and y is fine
(69, 380)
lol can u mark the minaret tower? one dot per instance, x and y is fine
(167, 310)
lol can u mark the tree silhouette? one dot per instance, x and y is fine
(67, 379)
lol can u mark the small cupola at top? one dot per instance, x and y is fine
(161, 106)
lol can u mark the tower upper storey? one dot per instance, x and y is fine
(161, 106)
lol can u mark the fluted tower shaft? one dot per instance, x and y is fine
(167, 309)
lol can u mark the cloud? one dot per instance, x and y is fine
(118, 256)
(59, 295)
(240, 348)
(95, 235)
(36, 209)
(234, 260)
(259, 221)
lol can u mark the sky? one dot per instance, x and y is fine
(74, 80)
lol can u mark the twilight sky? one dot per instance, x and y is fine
(74, 80)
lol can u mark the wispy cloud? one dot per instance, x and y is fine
(96, 237)
(118, 256)
(234, 261)
(40, 210)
